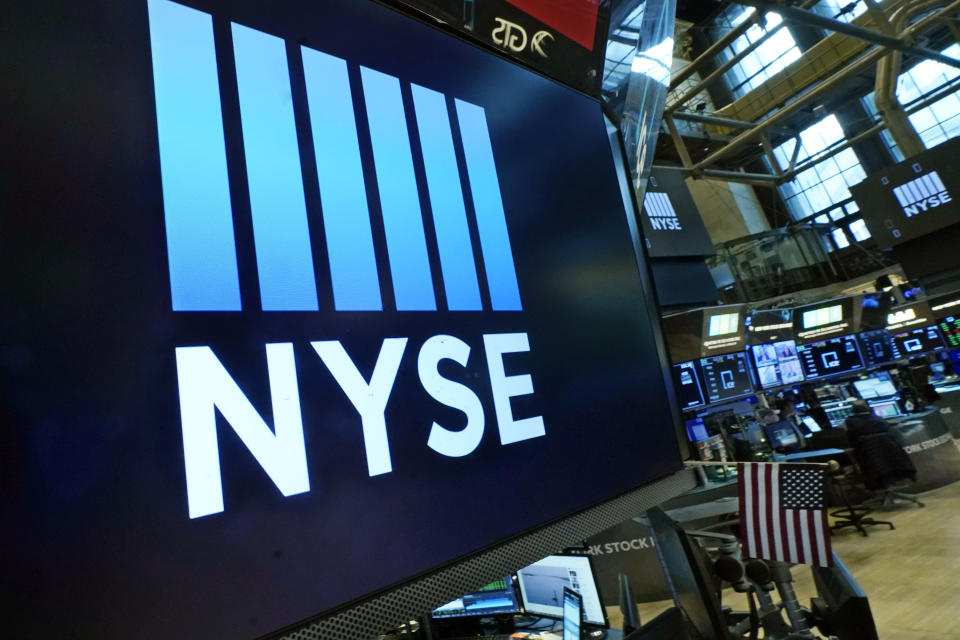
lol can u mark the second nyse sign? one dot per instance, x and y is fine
(202, 256)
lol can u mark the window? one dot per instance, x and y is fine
(770, 57)
(826, 183)
(840, 238)
(844, 10)
(858, 228)
(937, 122)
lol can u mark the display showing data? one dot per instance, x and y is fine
(919, 340)
(830, 357)
(726, 376)
(877, 347)
(950, 328)
(686, 384)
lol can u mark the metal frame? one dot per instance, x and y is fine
(885, 54)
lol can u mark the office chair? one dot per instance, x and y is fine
(885, 467)
(845, 482)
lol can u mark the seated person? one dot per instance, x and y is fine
(863, 422)
(782, 434)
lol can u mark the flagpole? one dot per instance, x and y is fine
(714, 463)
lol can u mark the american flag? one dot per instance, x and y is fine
(783, 513)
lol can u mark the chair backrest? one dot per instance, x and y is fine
(882, 461)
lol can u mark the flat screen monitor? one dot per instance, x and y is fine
(950, 329)
(723, 324)
(830, 357)
(726, 376)
(811, 424)
(692, 581)
(878, 385)
(885, 409)
(495, 599)
(542, 583)
(696, 431)
(686, 384)
(782, 436)
(777, 364)
(877, 347)
(821, 316)
(572, 614)
(280, 306)
(918, 341)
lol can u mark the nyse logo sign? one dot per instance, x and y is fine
(922, 194)
(660, 211)
(201, 246)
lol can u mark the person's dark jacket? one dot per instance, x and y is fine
(864, 424)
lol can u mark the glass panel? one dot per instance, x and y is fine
(827, 182)
(840, 238)
(859, 230)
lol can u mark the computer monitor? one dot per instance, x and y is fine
(885, 409)
(495, 599)
(572, 614)
(830, 357)
(696, 431)
(950, 328)
(686, 384)
(918, 341)
(843, 609)
(726, 377)
(876, 347)
(810, 424)
(877, 385)
(541, 587)
(777, 363)
(691, 580)
(781, 436)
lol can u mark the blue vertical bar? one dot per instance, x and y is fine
(399, 200)
(201, 249)
(277, 206)
(446, 200)
(346, 218)
(488, 205)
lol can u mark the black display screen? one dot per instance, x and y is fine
(912, 198)
(950, 329)
(830, 357)
(877, 347)
(687, 385)
(291, 288)
(726, 376)
(918, 341)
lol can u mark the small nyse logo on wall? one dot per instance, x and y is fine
(202, 253)
(660, 212)
(922, 194)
